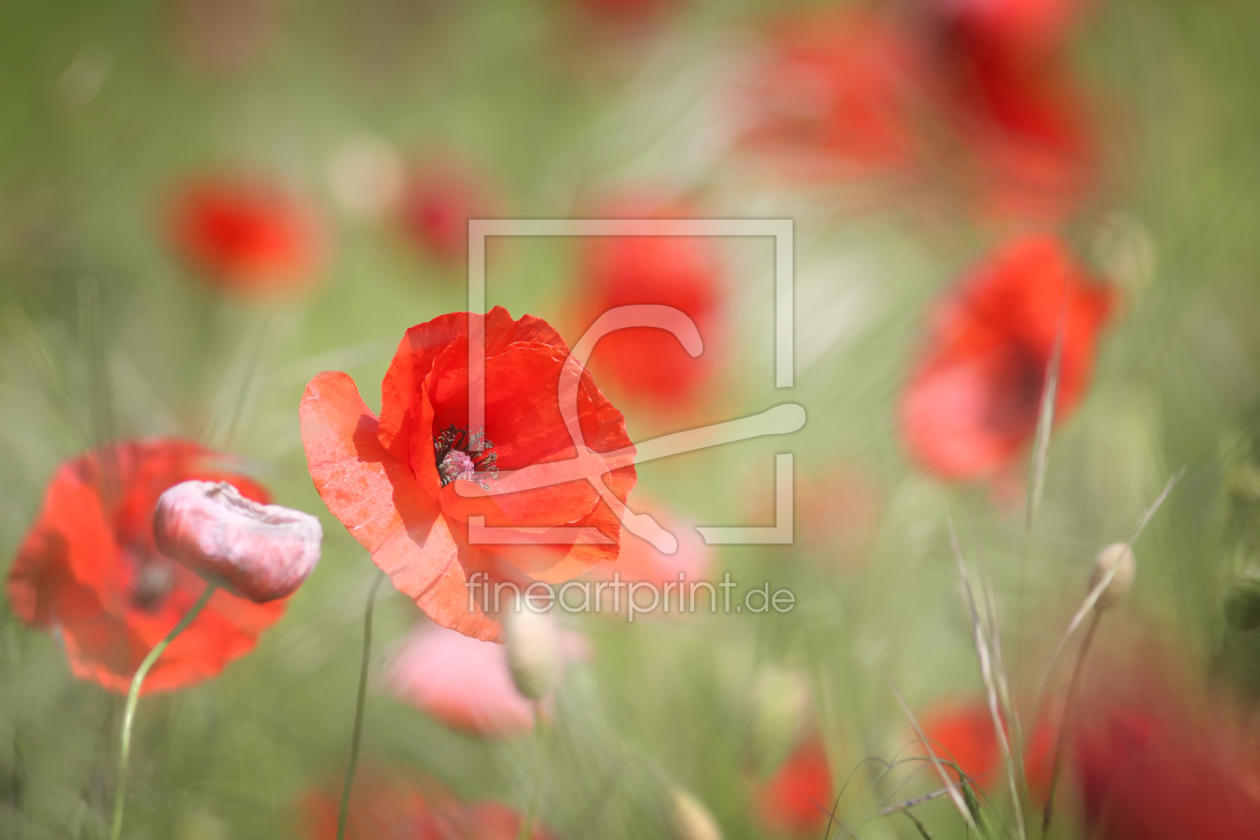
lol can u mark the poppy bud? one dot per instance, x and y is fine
(1120, 557)
(533, 651)
(1242, 603)
(690, 820)
(780, 711)
(260, 552)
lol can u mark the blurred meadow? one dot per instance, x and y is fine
(343, 148)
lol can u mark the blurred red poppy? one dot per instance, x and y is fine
(834, 96)
(383, 806)
(395, 482)
(796, 800)
(1009, 93)
(642, 562)
(649, 363)
(624, 11)
(88, 570)
(436, 203)
(246, 235)
(1149, 771)
(973, 399)
(963, 733)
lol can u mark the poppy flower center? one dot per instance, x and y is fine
(467, 455)
(154, 581)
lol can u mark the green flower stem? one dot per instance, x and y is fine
(540, 734)
(357, 737)
(1066, 724)
(133, 696)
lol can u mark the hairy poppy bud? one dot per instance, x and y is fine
(1120, 557)
(690, 820)
(1242, 603)
(260, 552)
(533, 651)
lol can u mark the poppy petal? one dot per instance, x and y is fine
(376, 497)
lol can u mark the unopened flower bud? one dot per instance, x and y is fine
(1120, 557)
(533, 651)
(690, 820)
(1242, 603)
(780, 712)
(260, 552)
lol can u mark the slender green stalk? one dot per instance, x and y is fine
(133, 696)
(540, 733)
(357, 737)
(1066, 724)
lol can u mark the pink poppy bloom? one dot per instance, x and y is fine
(466, 683)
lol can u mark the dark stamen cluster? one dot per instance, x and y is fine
(463, 454)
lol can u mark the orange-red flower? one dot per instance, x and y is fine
(682, 272)
(796, 800)
(1009, 93)
(383, 806)
(973, 400)
(1150, 771)
(963, 733)
(436, 203)
(246, 235)
(88, 570)
(396, 482)
(834, 97)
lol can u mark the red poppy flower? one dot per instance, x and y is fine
(676, 271)
(972, 402)
(798, 797)
(246, 235)
(1010, 95)
(436, 203)
(835, 96)
(964, 734)
(89, 572)
(1148, 771)
(385, 807)
(396, 482)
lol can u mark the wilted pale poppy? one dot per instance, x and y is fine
(88, 570)
(246, 234)
(260, 552)
(974, 396)
(396, 482)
